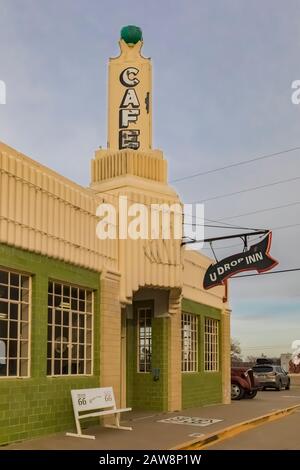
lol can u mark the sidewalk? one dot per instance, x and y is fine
(149, 433)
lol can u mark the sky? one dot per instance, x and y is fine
(222, 94)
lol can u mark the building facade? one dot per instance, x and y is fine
(80, 311)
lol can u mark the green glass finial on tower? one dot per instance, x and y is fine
(131, 34)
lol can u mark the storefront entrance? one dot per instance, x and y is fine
(147, 352)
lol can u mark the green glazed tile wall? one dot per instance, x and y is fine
(142, 391)
(201, 388)
(40, 404)
(198, 389)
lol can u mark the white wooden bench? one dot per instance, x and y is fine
(95, 402)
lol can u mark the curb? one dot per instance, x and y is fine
(234, 429)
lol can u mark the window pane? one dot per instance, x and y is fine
(14, 293)
(24, 312)
(189, 341)
(14, 307)
(144, 339)
(211, 345)
(3, 292)
(12, 367)
(3, 309)
(3, 358)
(3, 328)
(66, 337)
(2, 352)
(13, 311)
(14, 279)
(3, 277)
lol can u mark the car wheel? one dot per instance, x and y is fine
(237, 392)
(251, 394)
(279, 386)
(288, 385)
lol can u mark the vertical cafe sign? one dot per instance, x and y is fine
(129, 95)
(129, 110)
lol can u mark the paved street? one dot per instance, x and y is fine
(149, 433)
(282, 434)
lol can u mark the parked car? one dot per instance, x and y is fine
(270, 376)
(263, 360)
(243, 383)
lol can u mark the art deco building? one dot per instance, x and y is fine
(78, 311)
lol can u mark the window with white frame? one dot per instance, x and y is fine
(144, 339)
(211, 345)
(189, 342)
(14, 324)
(70, 330)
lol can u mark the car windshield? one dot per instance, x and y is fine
(263, 368)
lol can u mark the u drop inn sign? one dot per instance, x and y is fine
(256, 258)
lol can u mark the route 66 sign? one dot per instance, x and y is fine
(93, 398)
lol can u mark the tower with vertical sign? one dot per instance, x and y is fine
(129, 134)
(131, 167)
(130, 95)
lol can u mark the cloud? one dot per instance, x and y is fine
(222, 77)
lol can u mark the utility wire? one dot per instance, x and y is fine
(117, 196)
(268, 273)
(261, 210)
(228, 225)
(285, 226)
(233, 227)
(255, 188)
(232, 165)
(249, 213)
(102, 196)
(255, 239)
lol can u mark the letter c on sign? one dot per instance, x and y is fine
(128, 77)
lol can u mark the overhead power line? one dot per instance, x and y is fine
(117, 196)
(228, 225)
(259, 211)
(233, 227)
(102, 196)
(255, 188)
(268, 273)
(225, 224)
(281, 227)
(239, 215)
(232, 165)
(254, 239)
